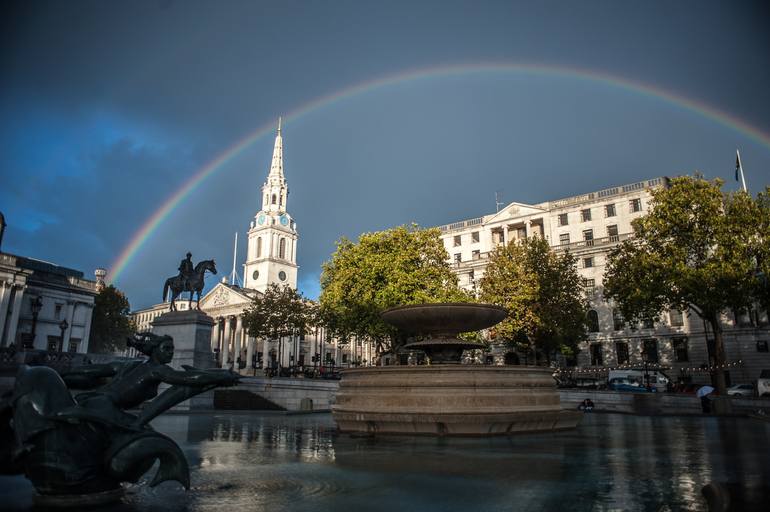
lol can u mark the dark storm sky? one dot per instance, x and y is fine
(107, 108)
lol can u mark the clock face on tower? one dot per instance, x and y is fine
(284, 220)
(261, 219)
(255, 275)
(282, 275)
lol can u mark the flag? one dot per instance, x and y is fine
(737, 167)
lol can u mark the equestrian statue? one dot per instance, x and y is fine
(190, 279)
(76, 449)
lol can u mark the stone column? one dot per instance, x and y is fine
(14, 323)
(237, 341)
(5, 299)
(87, 328)
(249, 353)
(265, 354)
(215, 335)
(226, 345)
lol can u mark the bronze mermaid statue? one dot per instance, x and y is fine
(87, 445)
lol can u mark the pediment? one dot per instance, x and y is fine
(515, 210)
(223, 295)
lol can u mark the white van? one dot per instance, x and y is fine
(658, 379)
(763, 383)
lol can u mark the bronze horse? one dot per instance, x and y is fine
(194, 283)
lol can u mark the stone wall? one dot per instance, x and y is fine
(653, 403)
(293, 394)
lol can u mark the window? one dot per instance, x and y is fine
(596, 354)
(585, 215)
(617, 320)
(53, 343)
(680, 349)
(471, 277)
(259, 247)
(648, 323)
(73, 345)
(762, 346)
(593, 321)
(588, 236)
(609, 210)
(458, 240)
(564, 238)
(563, 221)
(282, 248)
(588, 262)
(635, 205)
(676, 319)
(458, 257)
(650, 350)
(273, 199)
(57, 312)
(621, 351)
(475, 237)
(612, 232)
(476, 254)
(589, 285)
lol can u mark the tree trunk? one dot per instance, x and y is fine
(723, 404)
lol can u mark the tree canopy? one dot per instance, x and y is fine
(110, 323)
(698, 248)
(398, 266)
(543, 293)
(280, 311)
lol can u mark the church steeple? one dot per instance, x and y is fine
(275, 191)
(271, 255)
(276, 167)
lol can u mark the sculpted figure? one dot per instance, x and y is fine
(90, 444)
(190, 279)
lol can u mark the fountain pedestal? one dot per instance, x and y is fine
(449, 398)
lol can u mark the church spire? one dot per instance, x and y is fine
(276, 167)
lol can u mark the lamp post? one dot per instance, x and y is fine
(63, 327)
(35, 306)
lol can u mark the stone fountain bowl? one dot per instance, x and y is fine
(444, 320)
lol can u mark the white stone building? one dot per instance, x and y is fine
(271, 258)
(589, 225)
(45, 298)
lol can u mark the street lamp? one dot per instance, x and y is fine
(36, 306)
(63, 326)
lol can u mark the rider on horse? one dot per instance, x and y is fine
(186, 270)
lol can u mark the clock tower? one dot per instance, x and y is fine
(271, 255)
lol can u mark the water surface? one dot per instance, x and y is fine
(278, 462)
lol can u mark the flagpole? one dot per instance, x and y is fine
(740, 168)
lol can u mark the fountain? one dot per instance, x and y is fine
(446, 397)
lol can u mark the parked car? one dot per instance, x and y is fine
(623, 384)
(657, 379)
(741, 390)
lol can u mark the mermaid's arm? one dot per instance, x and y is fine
(89, 376)
(197, 378)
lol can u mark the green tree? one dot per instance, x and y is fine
(543, 293)
(399, 266)
(279, 312)
(696, 249)
(110, 323)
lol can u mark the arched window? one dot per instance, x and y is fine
(280, 200)
(593, 321)
(282, 248)
(259, 247)
(273, 198)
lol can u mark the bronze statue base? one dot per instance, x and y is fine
(78, 501)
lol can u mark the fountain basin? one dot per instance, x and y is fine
(450, 400)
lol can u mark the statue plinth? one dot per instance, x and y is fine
(191, 331)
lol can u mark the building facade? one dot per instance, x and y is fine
(44, 306)
(589, 226)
